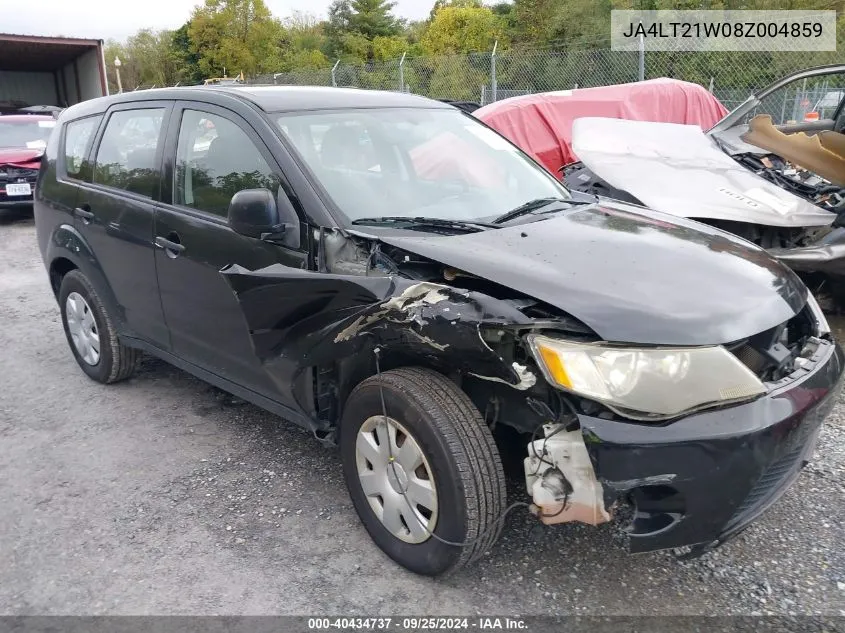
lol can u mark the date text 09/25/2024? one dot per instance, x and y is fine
(417, 624)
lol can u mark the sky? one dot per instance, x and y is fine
(105, 19)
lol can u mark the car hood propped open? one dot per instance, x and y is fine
(679, 170)
(631, 278)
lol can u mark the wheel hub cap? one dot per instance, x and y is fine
(396, 479)
(82, 328)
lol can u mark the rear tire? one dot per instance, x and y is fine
(457, 449)
(91, 333)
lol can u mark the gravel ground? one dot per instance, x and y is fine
(163, 495)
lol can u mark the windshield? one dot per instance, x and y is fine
(415, 163)
(30, 134)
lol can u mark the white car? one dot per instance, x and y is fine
(771, 171)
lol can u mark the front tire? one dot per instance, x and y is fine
(91, 333)
(431, 468)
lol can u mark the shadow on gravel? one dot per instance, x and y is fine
(9, 217)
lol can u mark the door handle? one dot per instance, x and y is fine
(173, 249)
(84, 214)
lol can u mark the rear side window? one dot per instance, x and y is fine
(126, 157)
(215, 159)
(77, 137)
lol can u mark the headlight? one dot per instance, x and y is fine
(818, 315)
(646, 383)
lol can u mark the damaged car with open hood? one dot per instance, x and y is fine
(391, 274)
(772, 171)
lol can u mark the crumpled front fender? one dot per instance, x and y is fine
(299, 319)
(825, 256)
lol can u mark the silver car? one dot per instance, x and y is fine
(771, 171)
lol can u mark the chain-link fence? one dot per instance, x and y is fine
(491, 76)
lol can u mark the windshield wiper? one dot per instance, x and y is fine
(530, 207)
(421, 221)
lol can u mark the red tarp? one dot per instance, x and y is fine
(541, 124)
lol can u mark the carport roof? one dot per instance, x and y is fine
(36, 53)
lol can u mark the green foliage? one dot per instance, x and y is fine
(301, 42)
(362, 30)
(459, 29)
(543, 45)
(373, 18)
(458, 78)
(442, 4)
(147, 58)
(534, 18)
(235, 35)
(185, 57)
(388, 47)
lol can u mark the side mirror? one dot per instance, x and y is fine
(256, 213)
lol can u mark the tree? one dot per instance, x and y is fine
(534, 19)
(301, 43)
(147, 59)
(235, 36)
(373, 18)
(153, 52)
(457, 81)
(507, 15)
(186, 59)
(441, 4)
(582, 23)
(337, 27)
(354, 26)
(462, 30)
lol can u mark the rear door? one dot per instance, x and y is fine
(211, 154)
(115, 212)
(64, 166)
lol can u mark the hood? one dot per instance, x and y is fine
(632, 278)
(679, 170)
(20, 156)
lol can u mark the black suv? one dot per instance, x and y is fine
(391, 274)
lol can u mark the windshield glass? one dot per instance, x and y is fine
(415, 163)
(31, 134)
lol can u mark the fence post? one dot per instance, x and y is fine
(493, 82)
(641, 47)
(783, 106)
(712, 81)
(402, 72)
(334, 68)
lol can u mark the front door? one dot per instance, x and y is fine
(115, 213)
(216, 154)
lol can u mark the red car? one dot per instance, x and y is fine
(541, 124)
(23, 138)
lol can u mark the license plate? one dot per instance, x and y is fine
(19, 189)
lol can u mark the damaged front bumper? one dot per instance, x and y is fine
(702, 479)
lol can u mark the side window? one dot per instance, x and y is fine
(126, 156)
(214, 160)
(77, 136)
